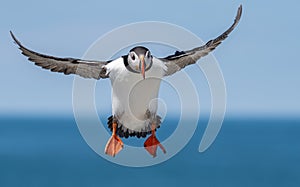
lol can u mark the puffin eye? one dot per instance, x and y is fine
(148, 54)
(132, 56)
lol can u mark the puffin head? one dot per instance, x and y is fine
(139, 60)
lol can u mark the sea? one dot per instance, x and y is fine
(248, 151)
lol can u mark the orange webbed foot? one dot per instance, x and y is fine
(151, 145)
(114, 145)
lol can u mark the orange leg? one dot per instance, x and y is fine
(114, 144)
(152, 142)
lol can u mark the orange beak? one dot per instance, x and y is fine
(142, 65)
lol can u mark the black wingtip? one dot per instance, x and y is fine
(239, 12)
(236, 20)
(12, 35)
(240, 7)
(16, 41)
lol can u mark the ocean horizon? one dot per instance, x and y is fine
(49, 151)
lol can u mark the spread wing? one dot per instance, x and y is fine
(83, 68)
(181, 59)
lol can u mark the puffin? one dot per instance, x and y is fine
(135, 80)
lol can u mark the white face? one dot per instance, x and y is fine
(135, 61)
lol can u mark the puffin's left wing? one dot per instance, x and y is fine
(181, 59)
(83, 68)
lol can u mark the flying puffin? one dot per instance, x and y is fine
(135, 80)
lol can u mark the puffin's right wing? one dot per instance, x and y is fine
(83, 68)
(182, 59)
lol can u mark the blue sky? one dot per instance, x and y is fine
(259, 59)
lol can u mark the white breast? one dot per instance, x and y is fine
(132, 95)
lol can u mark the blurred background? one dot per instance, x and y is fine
(258, 145)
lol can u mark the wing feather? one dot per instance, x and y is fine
(83, 68)
(182, 59)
